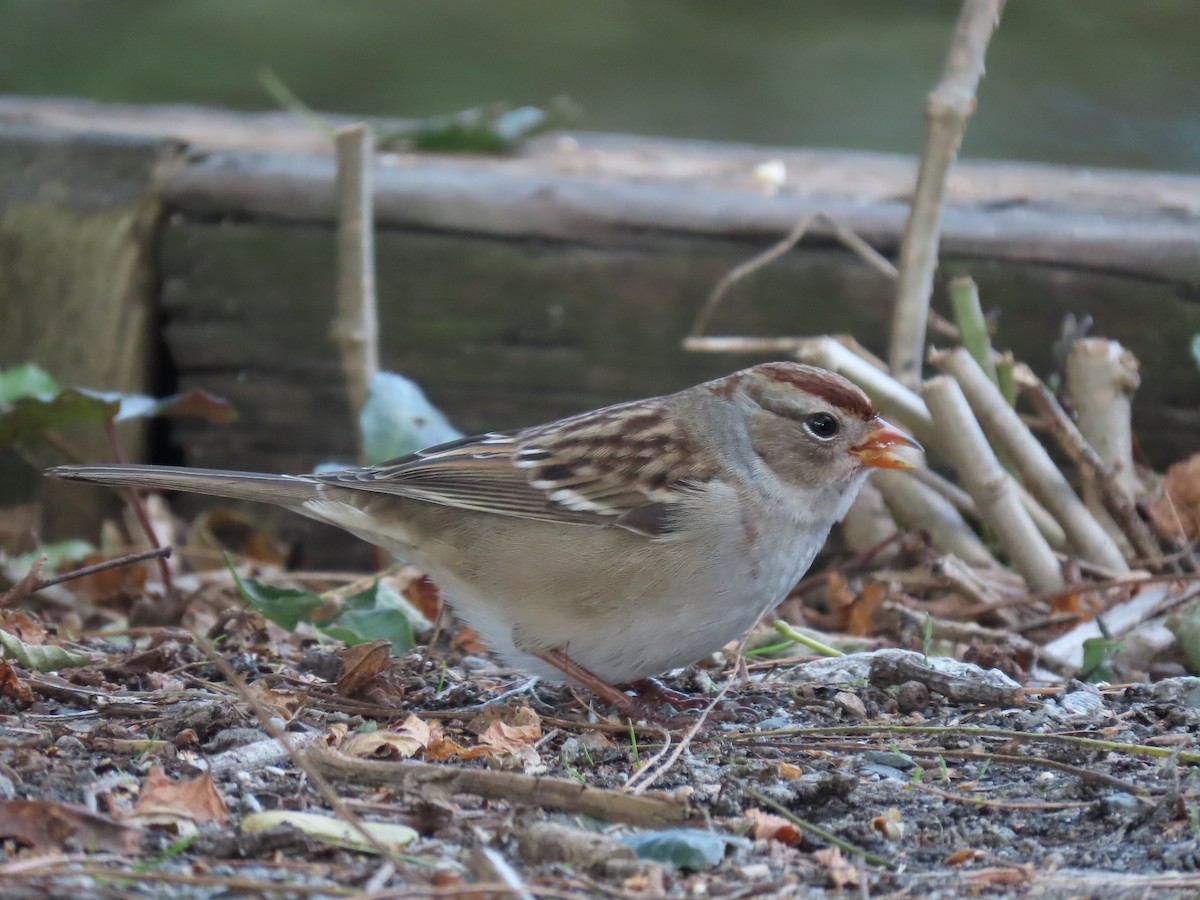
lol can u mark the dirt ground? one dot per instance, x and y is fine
(140, 772)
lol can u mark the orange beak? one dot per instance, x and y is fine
(878, 448)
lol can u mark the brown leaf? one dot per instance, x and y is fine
(12, 687)
(419, 590)
(468, 640)
(840, 873)
(27, 582)
(964, 855)
(504, 738)
(1176, 510)
(860, 620)
(769, 827)
(23, 624)
(406, 741)
(191, 800)
(360, 664)
(109, 584)
(55, 827)
(1000, 876)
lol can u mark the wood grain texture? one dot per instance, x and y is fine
(523, 288)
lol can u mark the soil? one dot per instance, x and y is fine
(934, 797)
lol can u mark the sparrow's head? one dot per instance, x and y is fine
(815, 428)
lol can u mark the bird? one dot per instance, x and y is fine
(614, 545)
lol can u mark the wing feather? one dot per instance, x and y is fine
(624, 466)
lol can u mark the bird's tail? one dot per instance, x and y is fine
(284, 490)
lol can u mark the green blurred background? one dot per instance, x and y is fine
(1101, 82)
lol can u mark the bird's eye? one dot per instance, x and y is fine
(821, 425)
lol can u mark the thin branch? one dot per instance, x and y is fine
(918, 507)
(82, 572)
(138, 502)
(1097, 476)
(993, 489)
(356, 327)
(271, 726)
(1101, 378)
(947, 109)
(1040, 474)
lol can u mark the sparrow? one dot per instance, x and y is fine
(616, 544)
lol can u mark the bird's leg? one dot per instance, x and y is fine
(653, 688)
(624, 704)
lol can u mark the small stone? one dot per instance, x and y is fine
(911, 697)
(851, 704)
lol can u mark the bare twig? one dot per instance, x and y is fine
(817, 831)
(356, 327)
(989, 484)
(968, 313)
(947, 109)
(1101, 378)
(40, 583)
(649, 774)
(272, 727)
(429, 779)
(919, 507)
(847, 237)
(1098, 478)
(1040, 474)
(137, 501)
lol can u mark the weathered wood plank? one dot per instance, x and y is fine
(77, 274)
(517, 289)
(506, 333)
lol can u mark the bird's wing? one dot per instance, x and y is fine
(626, 466)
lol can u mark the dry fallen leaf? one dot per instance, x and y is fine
(404, 742)
(840, 873)
(58, 827)
(890, 825)
(861, 619)
(365, 674)
(12, 687)
(1000, 876)
(504, 738)
(1176, 510)
(23, 624)
(418, 589)
(965, 855)
(769, 827)
(179, 804)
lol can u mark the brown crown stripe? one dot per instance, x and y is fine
(829, 386)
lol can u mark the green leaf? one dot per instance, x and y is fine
(1098, 654)
(683, 848)
(496, 128)
(286, 607)
(32, 416)
(26, 380)
(378, 613)
(29, 415)
(397, 419)
(41, 657)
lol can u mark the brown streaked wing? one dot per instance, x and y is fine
(584, 470)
